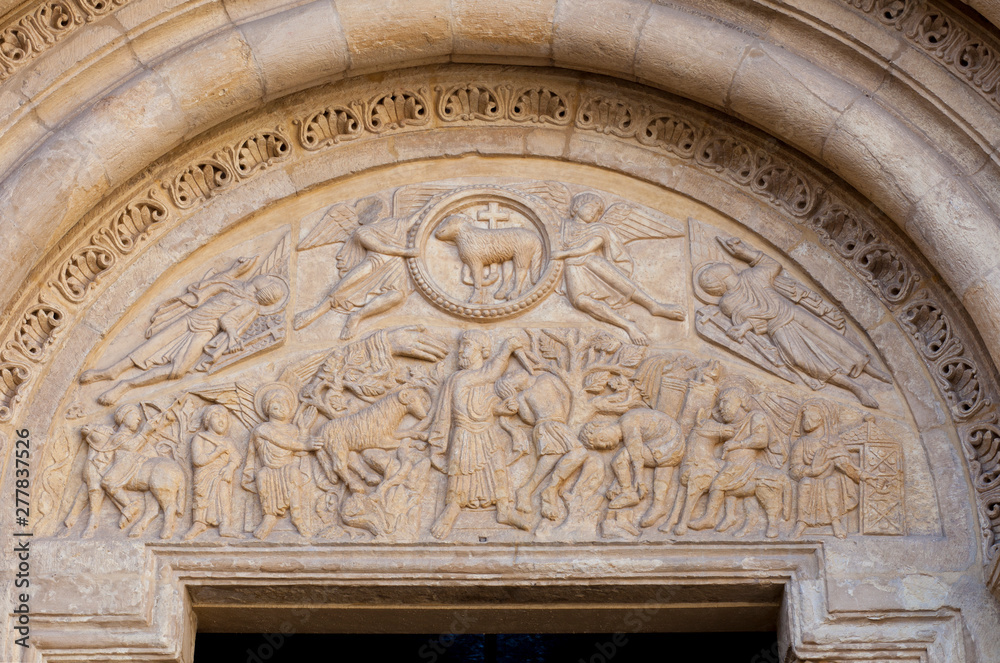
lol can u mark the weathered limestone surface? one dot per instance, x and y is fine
(279, 307)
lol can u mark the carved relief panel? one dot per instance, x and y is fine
(495, 359)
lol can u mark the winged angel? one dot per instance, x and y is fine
(779, 324)
(197, 330)
(598, 267)
(371, 262)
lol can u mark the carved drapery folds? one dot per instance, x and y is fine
(671, 130)
(595, 429)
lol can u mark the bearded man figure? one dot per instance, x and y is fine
(467, 439)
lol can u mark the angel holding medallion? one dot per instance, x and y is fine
(598, 267)
(780, 324)
(371, 263)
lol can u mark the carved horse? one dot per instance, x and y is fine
(160, 479)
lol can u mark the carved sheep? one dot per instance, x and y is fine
(479, 248)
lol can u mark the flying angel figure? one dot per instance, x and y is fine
(598, 267)
(371, 263)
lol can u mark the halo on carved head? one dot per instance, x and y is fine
(707, 280)
(272, 390)
(271, 293)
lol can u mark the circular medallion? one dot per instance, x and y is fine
(484, 252)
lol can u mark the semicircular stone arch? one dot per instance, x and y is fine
(203, 307)
(187, 233)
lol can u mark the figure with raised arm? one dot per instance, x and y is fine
(469, 444)
(815, 350)
(598, 267)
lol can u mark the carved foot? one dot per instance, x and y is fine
(636, 335)
(625, 500)
(668, 311)
(196, 529)
(727, 523)
(772, 531)
(550, 507)
(442, 526)
(513, 518)
(800, 529)
(702, 523)
(350, 327)
(112, 396)
(265, 527)
(93, 375)
(653, 515)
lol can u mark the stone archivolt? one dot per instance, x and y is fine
(34, 31)
(666, 127)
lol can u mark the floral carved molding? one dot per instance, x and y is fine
(110, 238)
(31, 32)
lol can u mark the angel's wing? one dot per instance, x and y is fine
(276, 261)
(336, 226)
(554, 193)
(783, 410)
(409, 199)
(704, 247)
(633, 224)
(304, 371)
(236, 397)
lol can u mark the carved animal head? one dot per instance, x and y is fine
(95, 435)
(451, 226)
(417, 401)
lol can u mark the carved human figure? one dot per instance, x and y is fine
(467, 439)
(119, 464)
(651, 439)
(372, 269)
(542, 401)
(129, 452)
(215, 459)
(699, 467)
(598, 269)
(827, 477)
(277, 466)
(190, 332)
(100, 453)
(817, 352)
(750, 468)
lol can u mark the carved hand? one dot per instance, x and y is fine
(414, 341)
(235, 343)
(513, 344)
(737, 333)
